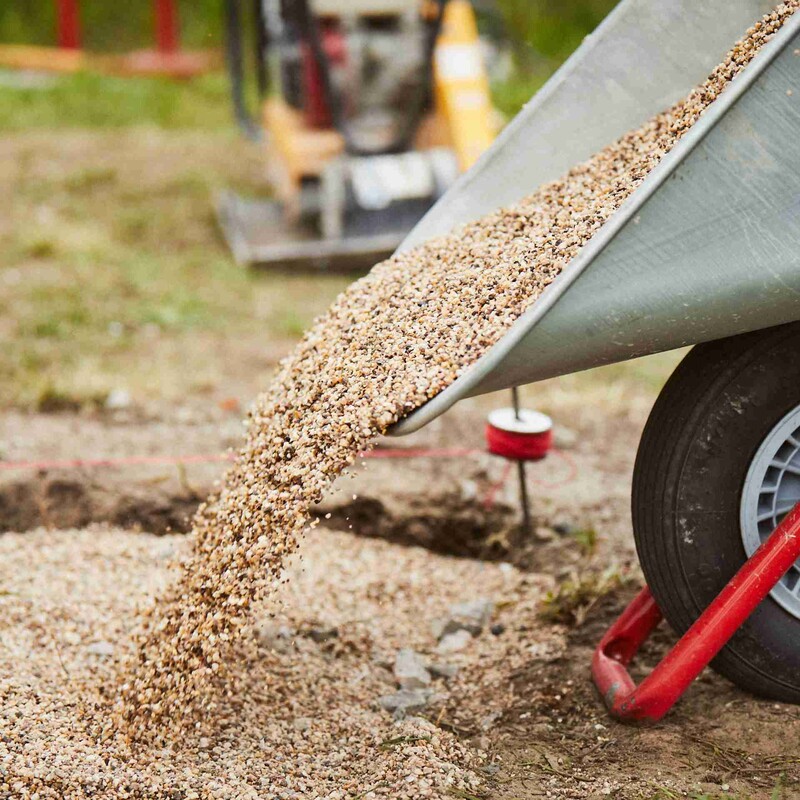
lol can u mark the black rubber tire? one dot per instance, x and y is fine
(702, 434)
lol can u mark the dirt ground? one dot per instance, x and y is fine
(545, 733)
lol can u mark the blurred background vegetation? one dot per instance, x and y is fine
(536, 36)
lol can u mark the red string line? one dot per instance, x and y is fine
(124, 461)
(380, 453)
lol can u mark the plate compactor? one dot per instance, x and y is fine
(705, 252)
(370, 109)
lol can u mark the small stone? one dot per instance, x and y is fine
(563, 528)
(301, 724)
(102, 648)
(443, 670)
(438, 627)
(410, 671)
(469, 490)
(406, 701)
(454, 642)
(497, 629)
(118, 399)
(470, 616)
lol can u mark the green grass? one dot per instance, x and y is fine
(540, 33)
(572, 599)
(111, 26)
(88, 100)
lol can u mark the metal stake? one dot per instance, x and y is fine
(527, 527)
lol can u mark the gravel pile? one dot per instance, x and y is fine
(303, 719)
(389, 343)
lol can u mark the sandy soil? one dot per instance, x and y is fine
(523, 717)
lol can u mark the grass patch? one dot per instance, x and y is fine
(542, 34)
(52, 400)
(573, 599)
(586, 539)
(89, 100)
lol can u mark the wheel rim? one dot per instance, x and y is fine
(771, 489)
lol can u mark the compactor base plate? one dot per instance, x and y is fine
(259, 235)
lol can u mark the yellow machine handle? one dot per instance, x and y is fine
(461, 86)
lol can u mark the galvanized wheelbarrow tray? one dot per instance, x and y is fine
(707, 248)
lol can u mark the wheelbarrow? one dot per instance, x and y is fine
(706, 252)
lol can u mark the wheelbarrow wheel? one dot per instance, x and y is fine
(717, 468)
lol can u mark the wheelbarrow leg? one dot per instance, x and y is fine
(660, 690)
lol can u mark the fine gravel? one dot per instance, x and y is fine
(392, 341)
(303, 720)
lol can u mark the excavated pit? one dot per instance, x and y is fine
(447, 524)
(60, 503)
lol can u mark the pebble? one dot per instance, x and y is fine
(405, 702)
(410, 671)
(471, 616)
(443, 670)
(118, 399)
(454, 642)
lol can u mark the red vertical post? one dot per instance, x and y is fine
(166, 19)
(68, 22)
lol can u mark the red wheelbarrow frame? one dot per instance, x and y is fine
(660, 690)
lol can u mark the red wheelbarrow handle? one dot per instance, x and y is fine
(659, 691)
